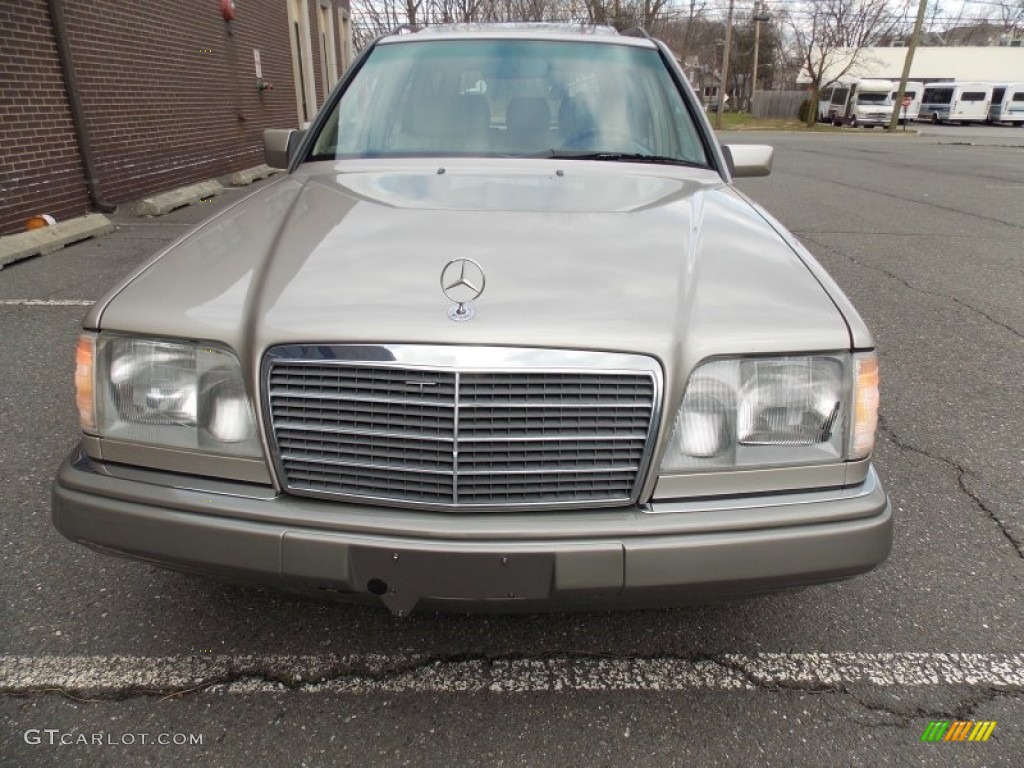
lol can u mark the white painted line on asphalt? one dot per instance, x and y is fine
(112, 675)
(46, 302)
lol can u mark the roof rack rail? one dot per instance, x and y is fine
(637, 32)
(405, 29)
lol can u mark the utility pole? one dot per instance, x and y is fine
(907, 62)
(760, 14)
(725, 69)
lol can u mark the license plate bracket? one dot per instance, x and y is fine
(402, 577)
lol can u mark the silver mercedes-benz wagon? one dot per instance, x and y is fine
(505, 333)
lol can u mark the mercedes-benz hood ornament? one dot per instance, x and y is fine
(462, 281)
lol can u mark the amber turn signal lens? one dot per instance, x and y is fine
(85, 355)
(865, 406)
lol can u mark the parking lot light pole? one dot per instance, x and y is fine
(725, 69)
(907, 62)
(760, 14)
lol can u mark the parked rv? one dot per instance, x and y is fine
(861, 103)
(1007, 103)
(824, 97)
(956, 102)
(914, 90)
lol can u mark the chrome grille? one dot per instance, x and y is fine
(411, 435)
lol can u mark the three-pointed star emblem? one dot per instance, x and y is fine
(462, 281)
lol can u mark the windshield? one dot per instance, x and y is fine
(873, 98)
(505, 98)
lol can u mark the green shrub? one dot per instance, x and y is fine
(805, 110)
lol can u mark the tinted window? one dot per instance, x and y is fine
(938, 95)
(1019, 96)
(973, 96)
(509, 98)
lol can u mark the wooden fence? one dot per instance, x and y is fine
(778, 104)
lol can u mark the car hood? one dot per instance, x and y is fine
(602, 256)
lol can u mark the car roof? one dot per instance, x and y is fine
(596, 33)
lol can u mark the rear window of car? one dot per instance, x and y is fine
(518, 98)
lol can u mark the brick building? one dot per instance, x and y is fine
(147, 95)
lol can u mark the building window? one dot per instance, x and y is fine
(328, 48)
(302, 60)
(345, 25)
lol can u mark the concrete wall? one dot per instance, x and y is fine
(967, 63)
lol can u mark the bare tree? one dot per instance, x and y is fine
(742, 59)
(1011, 16)
(373, 18)
(678, 30)
(650, 12)
(377, 17)
(982, 24)
(829, 36)
(454, 11)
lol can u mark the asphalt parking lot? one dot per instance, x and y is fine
(925, 236)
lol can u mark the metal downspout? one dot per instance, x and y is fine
(60, 36)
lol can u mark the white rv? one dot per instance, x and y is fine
(914, 90)
(1007, 103)
(862, 102)
(824, 97)
(956, 102)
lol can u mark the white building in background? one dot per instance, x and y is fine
(945, 63)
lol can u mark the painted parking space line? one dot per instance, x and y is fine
(141, 675)
(46, 302)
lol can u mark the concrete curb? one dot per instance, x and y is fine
(246, 177)
(166, 202)
(843, 131)
(39, 242)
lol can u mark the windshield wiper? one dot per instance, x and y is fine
(620, 157)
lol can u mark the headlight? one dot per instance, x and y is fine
(167, 393)
(747, 413)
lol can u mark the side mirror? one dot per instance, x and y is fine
(745, 160)
(280, 145)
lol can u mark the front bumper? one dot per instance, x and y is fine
(866, 120)
(686, 551)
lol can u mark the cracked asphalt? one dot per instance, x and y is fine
(925, 236)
